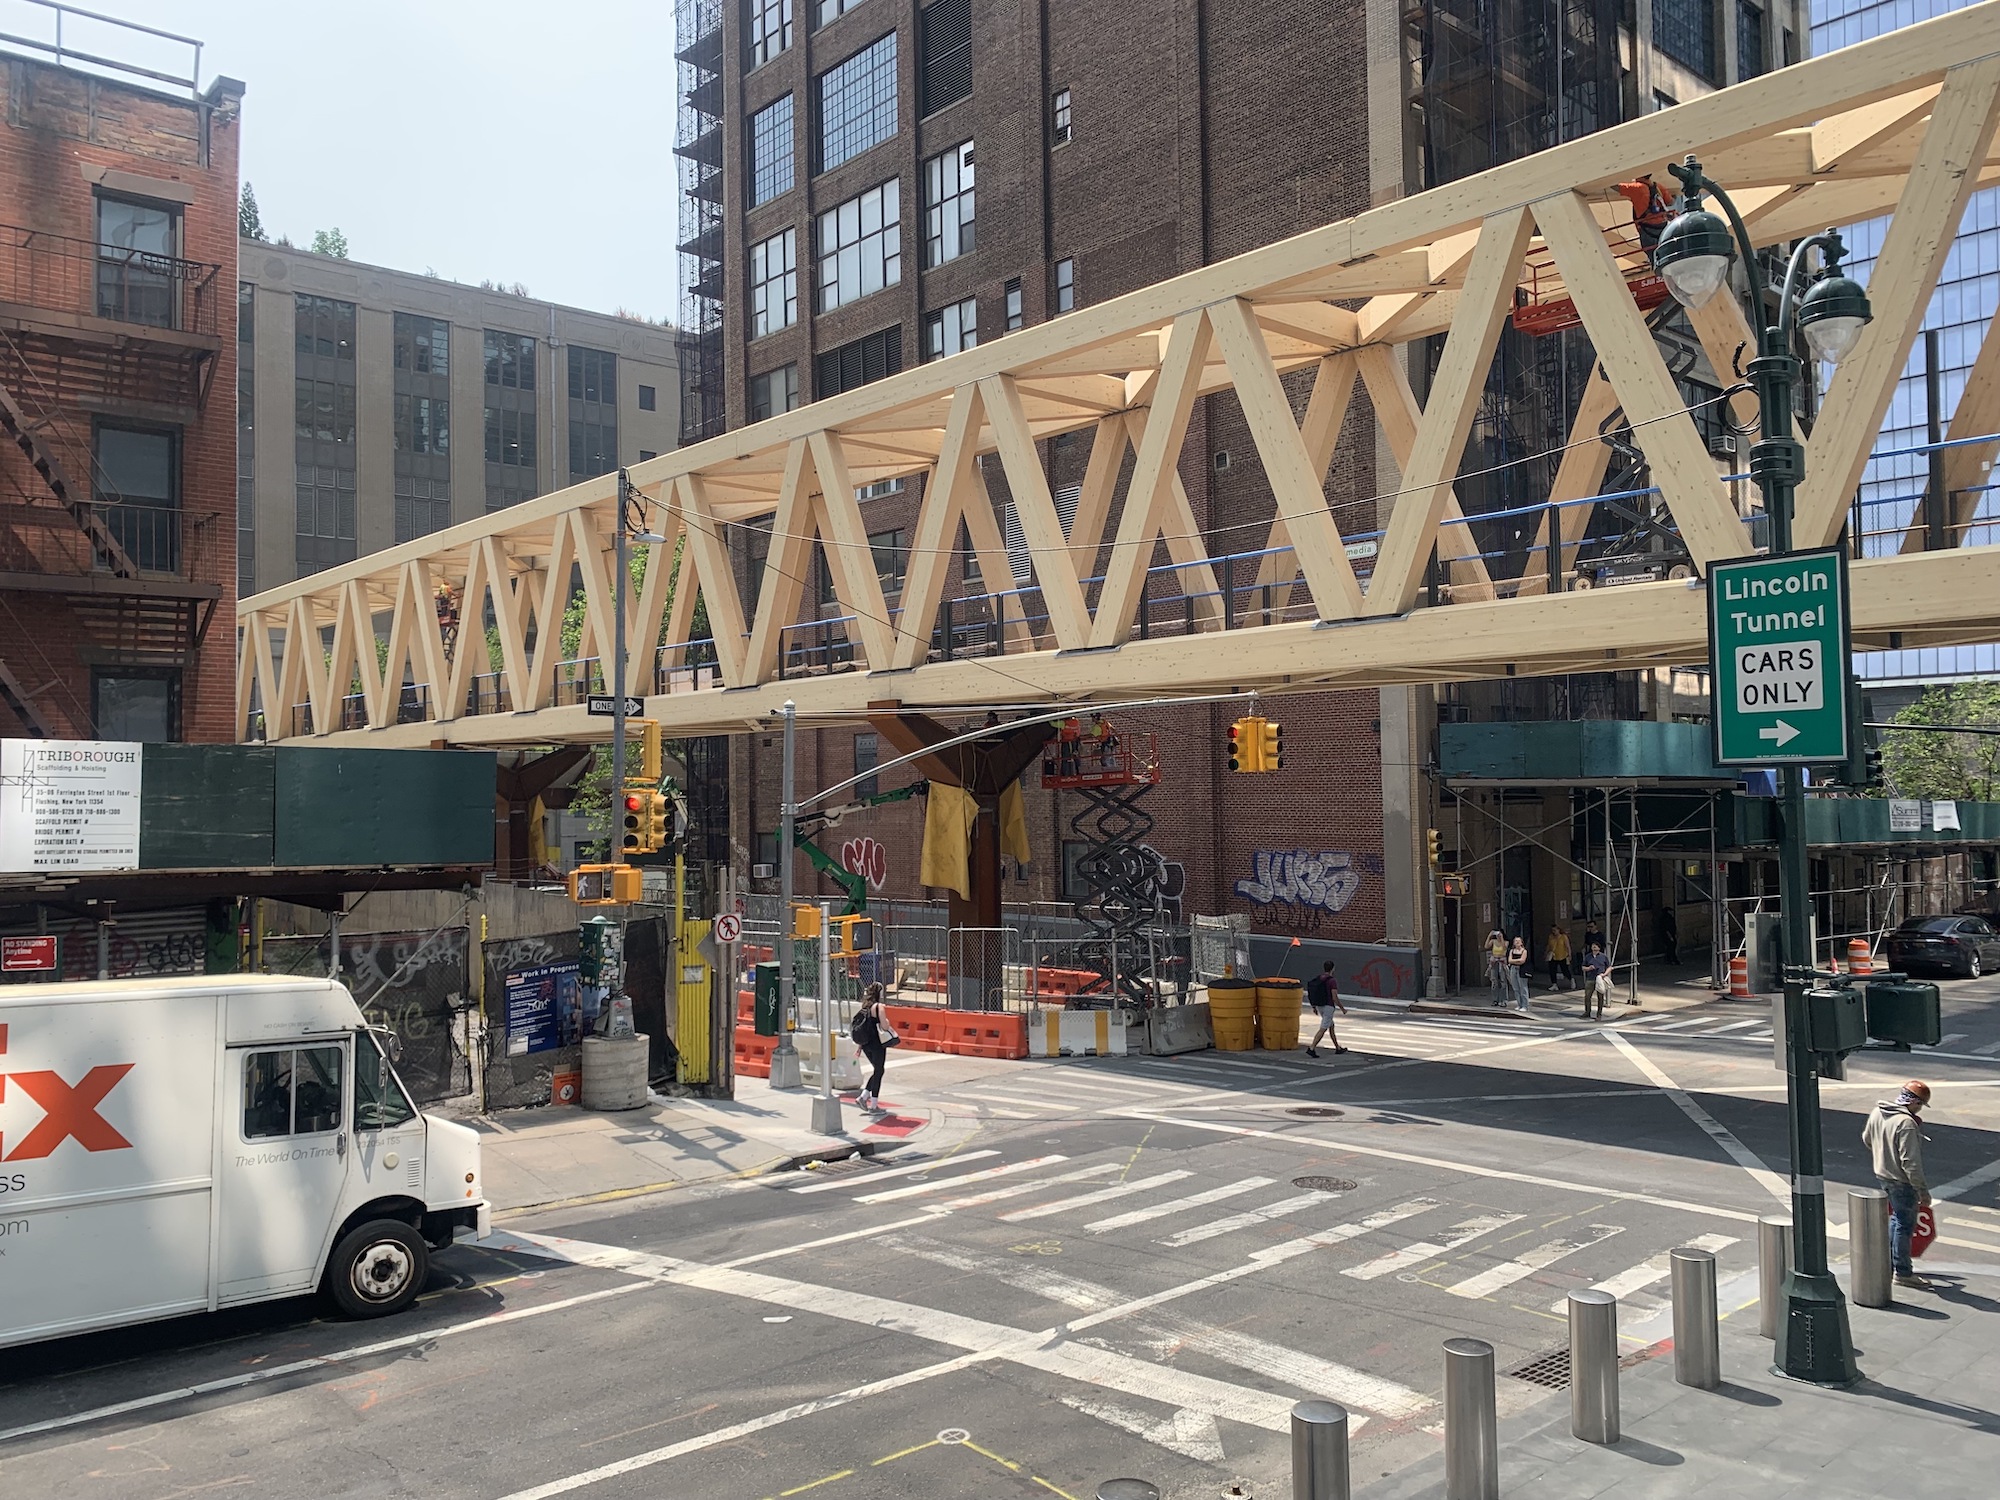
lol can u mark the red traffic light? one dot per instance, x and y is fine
(633, 802)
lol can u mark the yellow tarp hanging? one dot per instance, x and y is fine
(1014, 824)
(946, 860)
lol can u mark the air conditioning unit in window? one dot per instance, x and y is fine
(763, 872)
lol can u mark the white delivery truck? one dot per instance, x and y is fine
(178, 1145)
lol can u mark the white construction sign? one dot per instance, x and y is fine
(69, 805)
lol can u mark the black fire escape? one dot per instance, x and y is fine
(698, 145)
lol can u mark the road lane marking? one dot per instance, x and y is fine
(930, 1213)
(1016, 1189)
(918, 1189)
(316, 1362)
(1528, 1262)
(1326, 1379)
(1732, 1026)
(1721, 1134)
(1234, 1222)
(1976, 1178)
(1647, 1272)
(1101, 1195)
(1423, 1250)
(1176, 1205)
(835, 1183)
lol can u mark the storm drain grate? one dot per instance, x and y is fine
(848, 1166)
(1317, 1111)
(1323, 1184)
(1550, 1370)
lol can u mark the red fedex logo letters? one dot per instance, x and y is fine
(69, 1110)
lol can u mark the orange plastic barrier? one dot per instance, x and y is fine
(746, 1007)
(968, 1033)
(753, 1053)
(1739, 978)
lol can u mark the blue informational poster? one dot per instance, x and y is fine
(544, 1008)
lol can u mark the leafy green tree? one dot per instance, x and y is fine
(249, 223)
(330, 242)
(1946, 767)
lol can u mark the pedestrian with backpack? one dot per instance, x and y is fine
(873, 1034)
(1324, 996)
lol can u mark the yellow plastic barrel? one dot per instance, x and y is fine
(1232, 1012)
(1278, 1013)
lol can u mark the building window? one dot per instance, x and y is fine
(593, 412)
(1685, 31)
(593, 375)
(1749, 40)
(770, 29)
(1065, 285)
(422, 506)
(593, 449)
(944, 71)
(851, 366)
(867, 756)
(646, 453)
(648, 401)
(827, 10)
(774, 283)
(325, 327)
(323, 410)
(1013, 300)
(892, 559)
(423, 424)
(860, 246)
(773, 392)
(948, 222)
(950, 329)
(326, 508)
(136, 703)
(510, 437)
(1663, 100)
(771, 151)
(136, 487)
(138, 266)
(968, 558)
(857, 104)
(423, 345)
(878, 489)
(1059, 118)
(510, 360)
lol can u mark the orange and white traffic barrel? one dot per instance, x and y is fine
(1739, 978)
(1858, 959)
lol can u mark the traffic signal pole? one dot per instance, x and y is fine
(622, 569)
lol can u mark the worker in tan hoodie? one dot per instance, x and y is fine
(1896, 1145)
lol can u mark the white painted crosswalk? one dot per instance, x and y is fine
(1177, 1205)
(1421, 1252)
(1524, 1265)
(1650, 1272)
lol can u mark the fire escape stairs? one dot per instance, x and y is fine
(104, 546)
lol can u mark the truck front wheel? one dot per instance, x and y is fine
(378, 1268)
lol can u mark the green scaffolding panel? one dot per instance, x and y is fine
(384, 807)
(207, 807)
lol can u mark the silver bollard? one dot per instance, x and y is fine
(1319, 1452)
(1593, 1366)
(1471, 1427)
(1868, 1246)
(1774, 1261)
(1697, 1346)
(1127, 1489)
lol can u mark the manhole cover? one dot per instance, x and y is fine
(1317, 1111)
(1323, 1184)
(1550, 1370)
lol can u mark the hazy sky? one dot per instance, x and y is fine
(485, 139)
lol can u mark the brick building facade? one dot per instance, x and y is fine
(118, 393)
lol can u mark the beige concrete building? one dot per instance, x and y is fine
(374, 406)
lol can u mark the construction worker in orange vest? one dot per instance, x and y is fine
(1652, 206)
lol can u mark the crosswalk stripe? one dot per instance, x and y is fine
(917, 1189)
(1988, 1050)
(1290, 1367)
(1097, 1084)
(1224, 1060)
(1175, 1068)
(1016, 1189)
(1680, 1025)
(1530, 1261)
(1423, 1250)
(1013, 1101)
(1949, 1037)
(1085, 1200)
(1650, 1271)
(1176, 1205)
(922, 1166)
(1733, 1026)
(1235, 1222)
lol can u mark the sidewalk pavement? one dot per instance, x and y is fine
(1661, 989)
(562, 1155)
(1924, 1419)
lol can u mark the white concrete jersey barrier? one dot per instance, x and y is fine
(1076, 1033)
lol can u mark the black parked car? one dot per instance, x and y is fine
(1958, 945)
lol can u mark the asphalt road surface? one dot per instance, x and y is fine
(1125, 1266)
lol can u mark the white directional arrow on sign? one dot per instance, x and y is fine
(1782, 732)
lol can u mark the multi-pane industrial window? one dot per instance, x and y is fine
(510, 360)
(325, 327)
(510, 438)
(773, 392)
(1059, 118)
(423, 345)
(944, 51)
(1065, 285)
(892, 559)
(324, 411)
(423, 424)
(951, 329)
(1685, 31)
(1749, 40)
(827, 10)
(867, 756)
(326, 518)
(246, 440)
(774, 283)
(873, 357)
(770, 29)
(593, 412)
(771, 151)
(861, 246)
(324, 431)
(1012, 294)
(422, 506)
(856, 104)
(948, 219)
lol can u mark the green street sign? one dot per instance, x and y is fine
(1779, 658)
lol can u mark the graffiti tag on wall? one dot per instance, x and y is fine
(1321, 880)
(866, 858)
